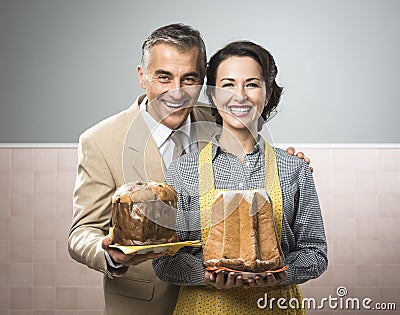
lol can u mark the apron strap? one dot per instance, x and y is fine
(270, 168)
(205, 170)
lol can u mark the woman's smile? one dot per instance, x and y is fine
(239, 110)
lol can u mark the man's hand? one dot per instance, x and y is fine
(127, 260)
(300, 155)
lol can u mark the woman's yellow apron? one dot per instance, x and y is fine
(209, 300)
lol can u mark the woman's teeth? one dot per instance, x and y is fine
(240, 110)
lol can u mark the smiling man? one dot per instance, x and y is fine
(166, 76)
(128, 147)
(135, 144)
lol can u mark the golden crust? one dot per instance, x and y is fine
(246, 239)
(144, 213)
(145, 191)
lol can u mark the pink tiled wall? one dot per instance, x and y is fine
(37, 276)
(359, 191)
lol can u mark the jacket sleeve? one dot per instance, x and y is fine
(93, 190)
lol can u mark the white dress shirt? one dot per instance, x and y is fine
(161, 135)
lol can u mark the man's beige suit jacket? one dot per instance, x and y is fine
(117, 150)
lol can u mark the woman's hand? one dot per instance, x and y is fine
(230, 280)
(270, 280)
(223, 280)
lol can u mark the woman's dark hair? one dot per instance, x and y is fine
(261, 56)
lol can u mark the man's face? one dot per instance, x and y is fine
(172, 83)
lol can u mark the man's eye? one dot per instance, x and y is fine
(163, 78)
(190, 81)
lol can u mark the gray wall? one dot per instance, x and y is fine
(65, 65)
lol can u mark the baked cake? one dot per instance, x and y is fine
(243, 236)
(144, 213)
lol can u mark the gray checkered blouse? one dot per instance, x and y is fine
(303, 236)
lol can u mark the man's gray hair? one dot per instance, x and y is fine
(181, 36)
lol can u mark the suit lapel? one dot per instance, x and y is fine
(141, 158)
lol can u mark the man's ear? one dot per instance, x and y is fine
(141, 77)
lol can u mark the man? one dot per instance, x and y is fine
(124, 148)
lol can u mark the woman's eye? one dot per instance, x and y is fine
(226, 85)
(253, 85)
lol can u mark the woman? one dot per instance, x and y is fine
(244, 93)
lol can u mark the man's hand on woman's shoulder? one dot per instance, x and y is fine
(300, 155)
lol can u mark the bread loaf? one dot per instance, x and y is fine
(144, 213)
(244, 239)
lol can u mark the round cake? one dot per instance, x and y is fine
(144, 213)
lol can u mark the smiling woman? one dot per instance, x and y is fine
(240, 94)
(243, 92)
(254, 71)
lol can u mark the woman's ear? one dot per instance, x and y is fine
(268, 97)
(213, 99)
(141, 77)
(211, 95)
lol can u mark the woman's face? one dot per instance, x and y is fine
(240, 94)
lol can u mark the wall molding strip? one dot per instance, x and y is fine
(279, 145)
